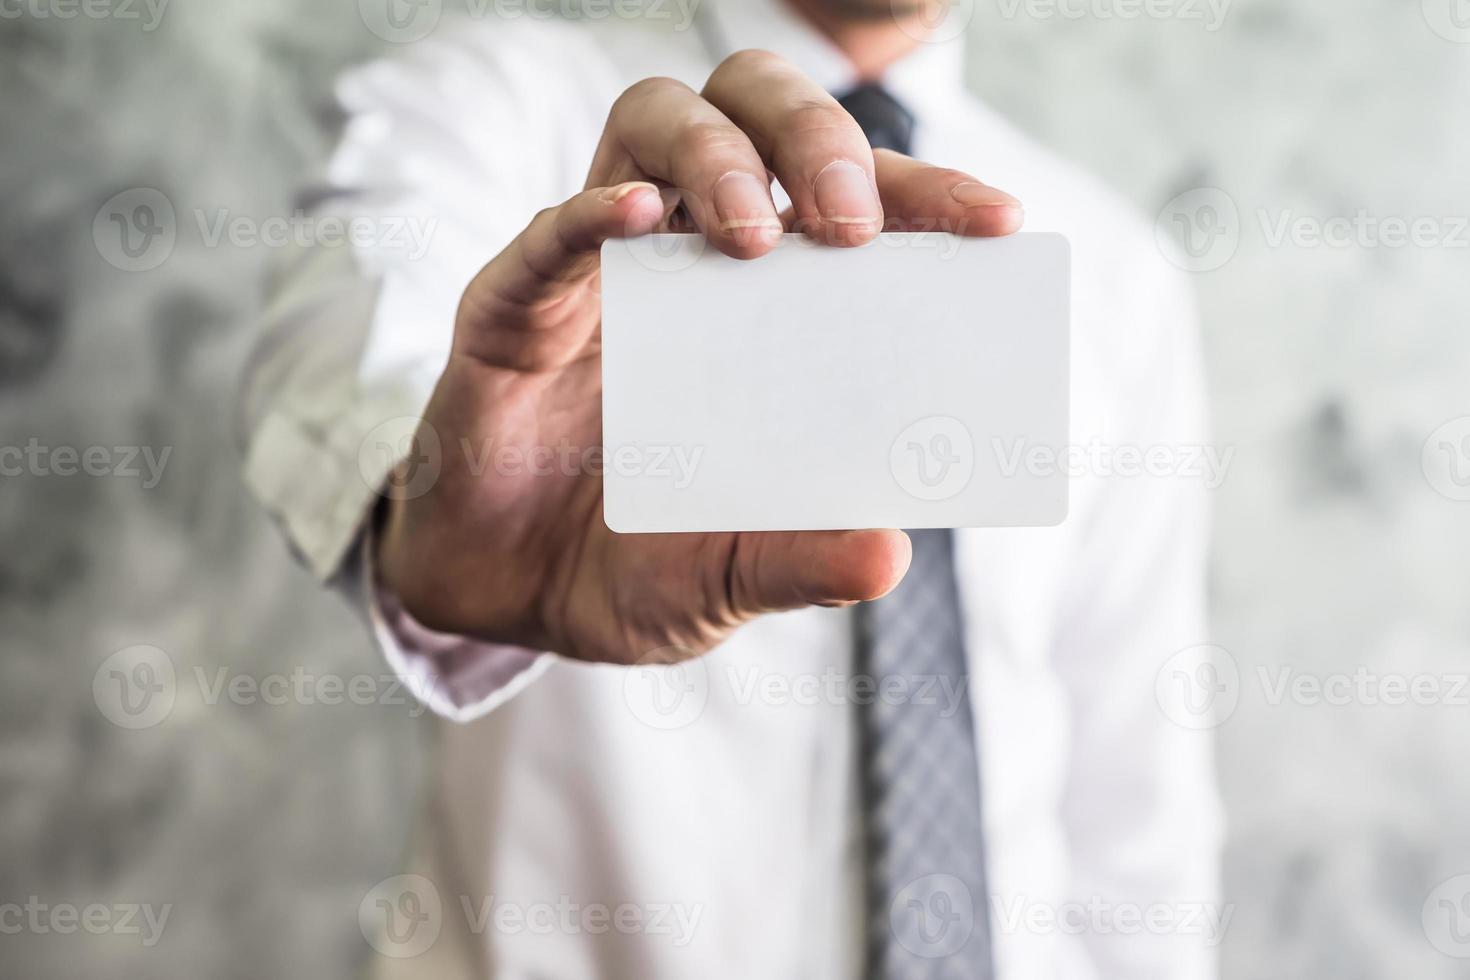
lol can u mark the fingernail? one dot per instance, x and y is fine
(973, 194)
(845, 194)
(743, 207)
(617, 192)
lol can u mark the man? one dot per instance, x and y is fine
(755, 811)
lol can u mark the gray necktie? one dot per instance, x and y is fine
(927, 902)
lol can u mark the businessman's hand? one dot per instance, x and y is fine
(524, 557)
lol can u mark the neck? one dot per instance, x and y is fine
(872, 38)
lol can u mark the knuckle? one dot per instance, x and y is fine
(544, 220)
(811, 116)
(749, 61)
(641, 91)
(698, 140)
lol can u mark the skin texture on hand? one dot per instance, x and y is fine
(524, 557)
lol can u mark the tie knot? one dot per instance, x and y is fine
(886, 123)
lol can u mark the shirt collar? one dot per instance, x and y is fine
(923, 80)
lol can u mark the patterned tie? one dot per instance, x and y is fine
(886, 123)
(927, 902)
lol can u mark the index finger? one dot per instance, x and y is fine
(816, 149)
(660, 128)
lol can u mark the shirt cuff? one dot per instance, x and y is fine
(458, 678)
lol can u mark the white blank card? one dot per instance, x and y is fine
(908, 383)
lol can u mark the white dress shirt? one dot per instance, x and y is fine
(571, 795)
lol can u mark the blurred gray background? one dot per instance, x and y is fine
(1340, 374)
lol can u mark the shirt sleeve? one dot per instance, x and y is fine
(431, 178)
(457, 678)
(1141, 810)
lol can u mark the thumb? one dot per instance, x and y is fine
(789, 570)
(512, 313)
